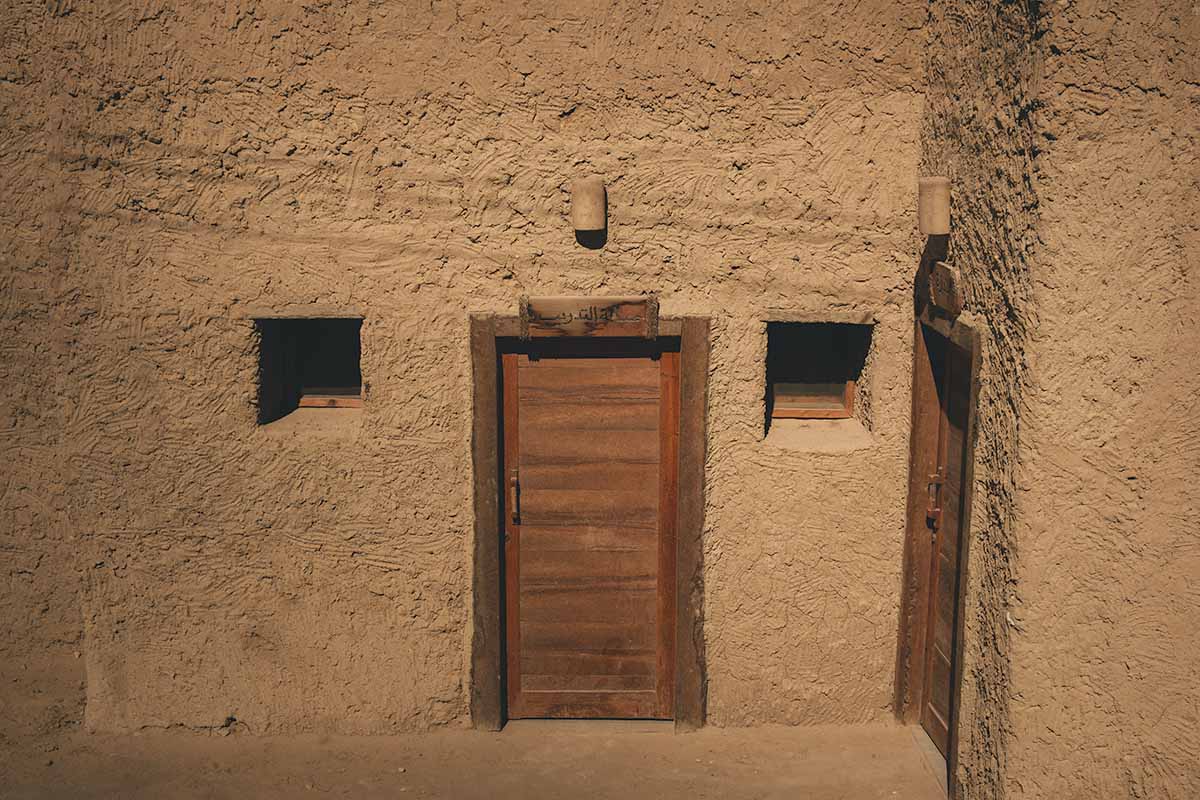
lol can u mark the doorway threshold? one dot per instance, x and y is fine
(931, 756)
(589, 727)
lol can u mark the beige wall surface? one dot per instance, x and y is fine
(1107, 645)
(172, 170)
(1070, 132)
(410, 162)
(979, 129)
(41, 669)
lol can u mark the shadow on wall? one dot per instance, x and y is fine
(592, 240)
(937, 247)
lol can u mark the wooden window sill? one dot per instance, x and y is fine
(330, 401)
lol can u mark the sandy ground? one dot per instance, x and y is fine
(526, 760)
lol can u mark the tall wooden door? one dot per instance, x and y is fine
(937, 519)
(590, 470)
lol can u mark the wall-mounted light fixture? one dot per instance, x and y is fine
(933, 206)
(589, 204)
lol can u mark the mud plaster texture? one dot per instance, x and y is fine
(1070, 132)
(171, 172)
(978, 129)
(410, 164)
(1108, 502)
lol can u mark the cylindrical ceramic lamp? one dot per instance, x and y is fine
(588, 204)
(933, 206)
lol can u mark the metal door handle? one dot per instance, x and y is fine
(933, 511)
(514, 494)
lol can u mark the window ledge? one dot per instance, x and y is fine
(819, 435)
(315, 423)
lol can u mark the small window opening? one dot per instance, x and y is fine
(813, 369)
(308, 363)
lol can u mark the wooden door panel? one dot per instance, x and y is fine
(591, 704)
(935, 715)
(583, 507)
(588, 448)
(614, 538)
(941, 408)
(588, 683)
(593, 415)
(590, 381)
(586, 605)
(577, 662)
(945, 598)
(633, 475)
(551, 568)
(923, 463)
(589, 556)
(614, 633)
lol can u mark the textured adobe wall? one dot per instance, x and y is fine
(979, 129)
(170, 172)
(1107, 657)
(410, 163)
(41, 676)
(1070, 131)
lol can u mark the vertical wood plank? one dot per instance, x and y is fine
(512, 531)
(968, 338)
(690, 679)
(584, 631)
(667, 510)
(487, 708)
(923, 452)
(936, 668)
(946, 359)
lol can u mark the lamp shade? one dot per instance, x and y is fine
(933, 206)
(588, 204)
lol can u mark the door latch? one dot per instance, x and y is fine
(514, 497)
(933, 511)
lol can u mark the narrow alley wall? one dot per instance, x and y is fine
(1070, 132)
(1106, 647)
(979, 129)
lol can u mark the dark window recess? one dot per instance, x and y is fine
(307, 363)
(813, 369)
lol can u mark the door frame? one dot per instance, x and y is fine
(487, 697)
(913, 597)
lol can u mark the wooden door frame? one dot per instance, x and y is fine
(909, 663)
(487, 698)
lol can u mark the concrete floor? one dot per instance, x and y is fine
(526, 760)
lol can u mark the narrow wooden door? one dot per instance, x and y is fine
(937, 519)
(590, 471)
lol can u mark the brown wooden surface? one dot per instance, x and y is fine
(690, 656)
(590, 316)
(590, 434)
(510, 327)
(488, 692)
(923, 458)
(313, 400)
(840, 408)
(487, 707)
(945, 562)
(668, 429)
(945, 289)
(939, 474)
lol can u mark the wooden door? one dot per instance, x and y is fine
(937, 519)
(590, 469)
